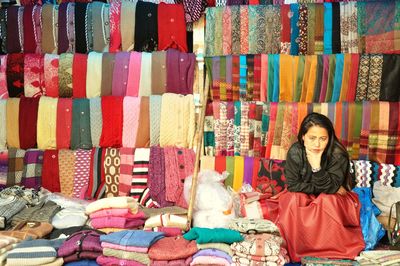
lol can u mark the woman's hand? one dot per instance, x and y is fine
(341, 191)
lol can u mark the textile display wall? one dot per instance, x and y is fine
(97, 74)
(310, 78)
(109, 121)
(369, 130)
(345, 27)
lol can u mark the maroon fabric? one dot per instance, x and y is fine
(28, 112)
(180, 72)
(62, 28)
(50, 171)
(15, 74)
(13, 43)
(88, 255)
(29, 34)
(89, 241)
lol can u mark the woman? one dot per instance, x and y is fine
(319, 216)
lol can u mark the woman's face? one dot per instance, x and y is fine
(316, 139)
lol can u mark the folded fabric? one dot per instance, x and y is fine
(217, 235)
(239, 261)
(149, 212)
(7, 248)
(116, 222)
(117, 212)
(82, 263)
(133, 238)
(89, 255)
(213, 253)
(219, 246)
(127, 248)
(313, 261)
(247, 225)
(7, 240)
(273, 258)
(172, 248)
(379, 257)
(181, 262)
(169, 220)
(57, 233)
(201, 260)
(69, 217)
(88, 240)
(29, 230)
(111, 261)
(168, 231)
(127, 255)
(109, 230)
(259, 245)
(34, 252)
(42, 212)
(115, 202)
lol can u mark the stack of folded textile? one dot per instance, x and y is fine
(172, 251)
(262, 244)
(41, 252)
(379, 257)
(127, 247)
(6, 244)
(115, 214)
(211, 256)
(82, 245)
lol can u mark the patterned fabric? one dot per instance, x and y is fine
(15, 75)
(3, 168)
(363, 173)
(96, 179)
(3, 77)
(246, 225)
(51, 74)
(348, 27)
(270, 175)
(66, 164)
(259, 245)
(126, 171)
(65, 75)
(302, 24)
(15, 166)
(31, 175)
(81, 173)
(112, 163)
(34, 75)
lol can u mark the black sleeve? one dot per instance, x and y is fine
(293, 167)
(329, 180)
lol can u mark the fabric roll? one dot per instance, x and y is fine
(32, 173)
(135, 62)
(120, 74)
(34, 75)
(158, 72)
(93, 76)
(115, 31)
(65, 75)
(15, 75)
(51, 74)
(50, 171)
(80, 134)
(145, 75)
(96, 120)
(3, 121)
(49, 28)
(47, 123)
(146, 39)
(79, 67)
(177, 112)
(81, 173)
(131, 113)
(12, 122)
(155, 119)
(28, 113)
(107, 73)
(126, 171)
(128, 19)
(112, 117)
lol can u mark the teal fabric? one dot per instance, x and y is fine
(294, 45)
(243, 77)
(275, 94)
(327, 28)
(236, 126)
(217, 235)
(80, 135)
(270, 87)
(337, 83)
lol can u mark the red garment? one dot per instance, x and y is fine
(171, 27)
(355, 60)
(50, 171)
(64, 123)
(79, 67)
(285, 21)
(112, 111)
(29, 33)
(220, 164)
(324, 226)
(28, 113)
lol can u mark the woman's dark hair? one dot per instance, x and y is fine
(334, 145)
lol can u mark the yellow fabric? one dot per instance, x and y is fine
(66, 162)
(239, 172)
(345, 77)
(108, 230)
(286, 77)
(177, 125)
(46, 123)
(12, 117)
(128, 11)
(93, 75)
(324, 109)
(311, 78)
(207, 163)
